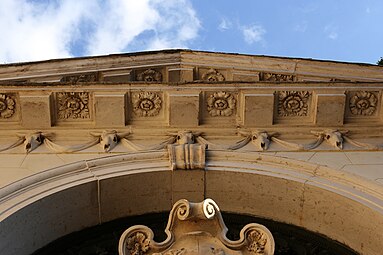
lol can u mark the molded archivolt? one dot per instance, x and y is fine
(41, 208)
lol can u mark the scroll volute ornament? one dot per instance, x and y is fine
(196, 228)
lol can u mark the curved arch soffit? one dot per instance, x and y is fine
(56, 202)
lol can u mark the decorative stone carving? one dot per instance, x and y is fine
(276, 77)
(256, 242)
(293, 103)
(221, 104)
(89, 77)
(109, 138)
(186, 137)
(147, 104)
(149, 75)
(261, 139)
(363, 103)
(184, 154)
(72, 105)
(32, 141)
(333, 137)
(137, 243)
(7, 106)
(187, 156)
(196, 228)
(213, 76)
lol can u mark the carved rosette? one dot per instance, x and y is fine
(72, 105)
(7, 106)
(89, 77)
(221, 104)
(147, 104)
(213, 76)
(149, 75)
(293, 103)
(137, 244)
(276, 77)
(363, 103)
(256, 242)
(196, 228)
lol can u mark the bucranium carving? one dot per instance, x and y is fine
(186, 137)
(333, 137)
(32, 140)
(109, 138)
(261, 140)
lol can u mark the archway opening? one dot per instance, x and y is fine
(103, 239)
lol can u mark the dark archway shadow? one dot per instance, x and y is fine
(103, 239)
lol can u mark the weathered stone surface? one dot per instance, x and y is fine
(257, 109)
(203, 106)
(36, 110)
(330, 109)
(184, 109)
(110, 109)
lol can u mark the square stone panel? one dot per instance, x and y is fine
(219, 107)
(257, 109)
(9, 107)
(73, 106)
(330, 109)
(293, 106)
(146, 107)
(362, 105)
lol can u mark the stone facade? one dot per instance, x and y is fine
(179, 114)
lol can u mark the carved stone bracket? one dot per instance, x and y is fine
(196, 228)
(187, 156)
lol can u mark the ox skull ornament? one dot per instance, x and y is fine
(109, 139)
(32, 140)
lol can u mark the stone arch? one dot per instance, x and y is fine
(43, 207)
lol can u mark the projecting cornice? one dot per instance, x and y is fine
(187, 66)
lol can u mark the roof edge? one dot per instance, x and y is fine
(172, 51)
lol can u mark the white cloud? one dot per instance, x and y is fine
(35, 30)
(333, 35)
(331, 31)
(225, 24)
(301, 27)
(253, 34)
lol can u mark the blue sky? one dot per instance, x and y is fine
(343, 30)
